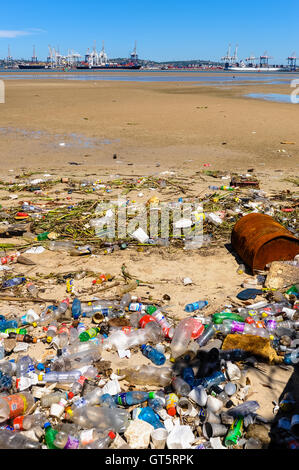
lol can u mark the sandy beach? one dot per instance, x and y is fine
(74, 129)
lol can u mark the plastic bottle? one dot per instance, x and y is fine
(16, 281)
(5, 382)
(171, 401)
(230, 326)
(180, 386)
(77, 386)
(214, 379)
(167, 329)
(125, 301)
(107, 400)
(207, 334)
(218, 318)
(15, 405)
(68, 362)
(101, 417)
(8, 367)
(23, 423)
(158, 401)
(14, 440)
(199, 305)
(92, 398)
(50, 435)
(234, 433)
(76, 308)
(32, 289)
(151, 353)
(91, 333)
(102, 443)
(148, 375)
(233, 354)
(6, 324)
(61, 376)
(47, 400)
(51, 331)
(182, 336)
(147, 414)
(30, 318)
(272, 325)
(244, 409)
(188, 376)
(61, 245)
(132, 398)
(25, 366)
(62, 308)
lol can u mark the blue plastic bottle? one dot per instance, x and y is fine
(5, 382)
(147, 414)
(153, 355)
(5, 324)
(76, 308)
(107, 400)
(196, 306)
(132, 398)
(188, 376)
(16, 281)
(214, 379)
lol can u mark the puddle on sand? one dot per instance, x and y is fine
(58, 140)
(278, 98)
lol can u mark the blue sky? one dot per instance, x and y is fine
(164, 30)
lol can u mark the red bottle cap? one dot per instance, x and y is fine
(70, 395)
(171, 411)
(145, 320)
(112, 435)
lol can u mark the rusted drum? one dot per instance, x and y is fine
(259, 239)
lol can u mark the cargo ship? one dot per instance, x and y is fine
(32, 66)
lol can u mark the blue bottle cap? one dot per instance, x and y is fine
(47, 424)
(40, 366)
(47, 369)
(143, 346)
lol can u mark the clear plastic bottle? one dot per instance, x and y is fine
(103, 442)
(167, 329)
(91, 398)
(47, 400)
(77, 386)
(69, 362)
(8, 367)
(64, 440)
(15, 405)
(125, 301)
(244, 409)
(14, 440)
(61, 245)
(182, 337)
(25, 366)
(101, 417)
(23, 423)
(62, 308)
(157, 402)
(32, 289)
(205, 337)
(180, 387)
(61, 376)
(52, 331)
(148, 375)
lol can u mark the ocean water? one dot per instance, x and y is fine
(278, 98)
(217, 78)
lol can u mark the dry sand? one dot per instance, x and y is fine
(152, 128)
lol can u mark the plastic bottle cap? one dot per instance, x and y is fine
(171, 411)
(112, 435)
(34, 340)
(47, 424)
(34, 324)
(172, 359)
(40, 377)
(151, 395)
(71, 395)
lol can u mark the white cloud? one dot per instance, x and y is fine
(5, 33)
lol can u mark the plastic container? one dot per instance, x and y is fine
(132, 398)
(15, 405)
(199, 305)
(153, 355)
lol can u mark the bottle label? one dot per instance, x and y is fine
(171, 400)
(122, 399)
(72, 443)
(18, 423)
(17, 404)
(86, 437)
(79, 403)
(145, 320)
(237, 327)
(135, 307)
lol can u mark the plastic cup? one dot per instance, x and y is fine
(213, 404)
(212, 417)
(159, 437)
(199, 395)
(214, 430)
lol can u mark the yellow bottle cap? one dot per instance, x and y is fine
(34, 324)
(49, 339)
(40, 377)
(271, 337)
(172, 359)
(264, 314)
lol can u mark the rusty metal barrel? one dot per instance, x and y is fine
(259, 239)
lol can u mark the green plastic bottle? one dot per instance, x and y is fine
(292, 290)
(218, 318)
(88, 334)
(50, 435)
(18, 331)
(42, 236)
(150, 309)
(234, 433)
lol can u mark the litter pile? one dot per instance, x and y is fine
(193, 391)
